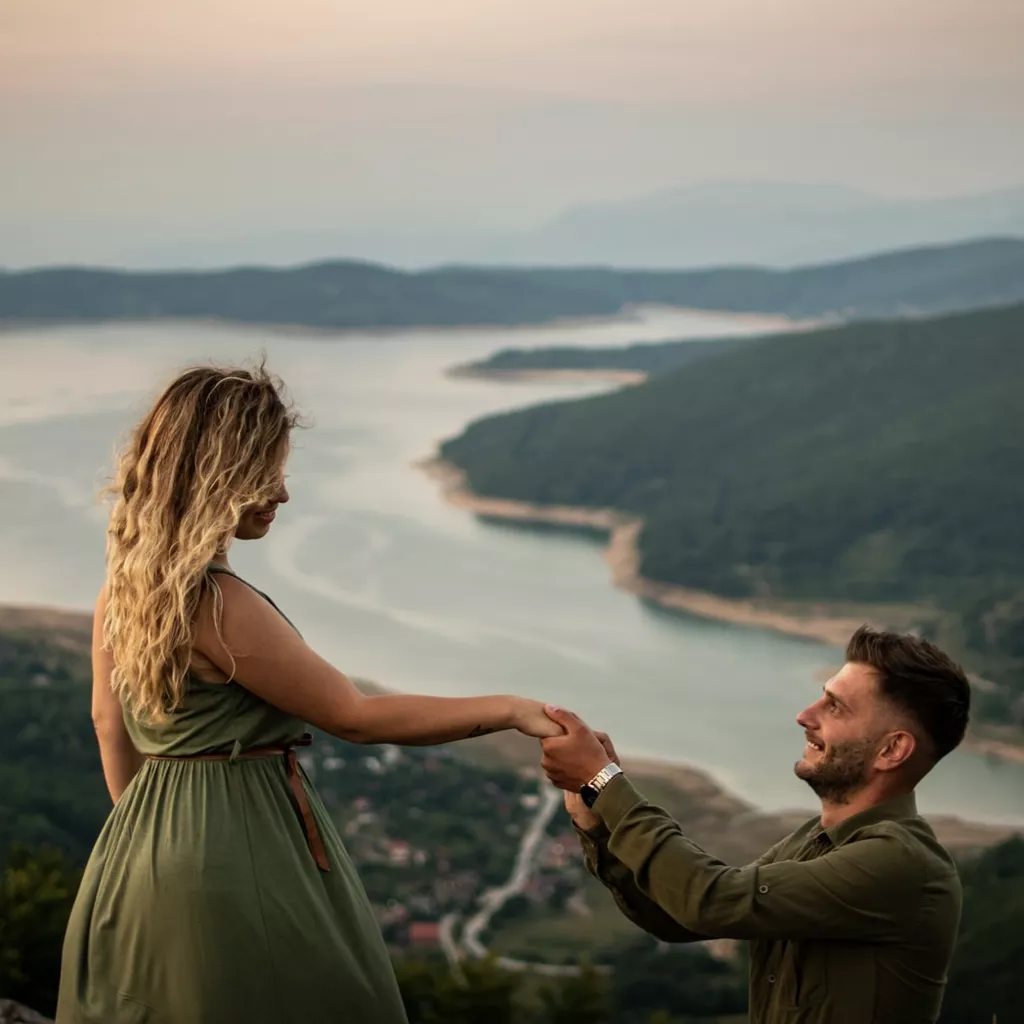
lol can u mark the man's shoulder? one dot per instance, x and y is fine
(911, 842)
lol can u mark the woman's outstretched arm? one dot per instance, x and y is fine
(121, 761)
(257, 648)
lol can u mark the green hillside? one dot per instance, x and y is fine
(350, 294)
(985, 981)
(875, 462)
(52, 792)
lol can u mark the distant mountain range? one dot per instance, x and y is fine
(347, 294)
(772, 224)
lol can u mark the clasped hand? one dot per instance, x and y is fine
(572, 759)
(573, 753)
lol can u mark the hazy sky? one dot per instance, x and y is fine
(163, 121)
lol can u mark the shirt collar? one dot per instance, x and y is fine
(896, 809)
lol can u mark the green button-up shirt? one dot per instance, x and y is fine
(847, 925)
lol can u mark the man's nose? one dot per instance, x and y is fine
(806, 718)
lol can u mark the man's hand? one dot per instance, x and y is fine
(609, 747)
(572, 760)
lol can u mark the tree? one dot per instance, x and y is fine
(481, 991)
(985, 979)
(685, 981)
(582, 999)
(37, 890)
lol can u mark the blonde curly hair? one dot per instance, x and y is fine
(211, 446)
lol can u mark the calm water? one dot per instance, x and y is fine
(391, 584)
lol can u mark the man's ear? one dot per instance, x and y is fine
(897, 749)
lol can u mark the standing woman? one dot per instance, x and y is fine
(219, 891)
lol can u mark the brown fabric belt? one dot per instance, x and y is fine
(313, 839)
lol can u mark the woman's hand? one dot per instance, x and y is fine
(581, 814)
(529, 717)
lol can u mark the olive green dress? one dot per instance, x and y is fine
(202, 902)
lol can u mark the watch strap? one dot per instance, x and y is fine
(590, 790)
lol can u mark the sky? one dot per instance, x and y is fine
(132, 127)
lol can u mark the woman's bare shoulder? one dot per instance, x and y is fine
(234, 617)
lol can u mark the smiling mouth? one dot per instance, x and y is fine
(266, 517)
(820, 747)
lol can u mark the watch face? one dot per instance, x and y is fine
(589, 795)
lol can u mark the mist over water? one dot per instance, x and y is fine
(391, 584)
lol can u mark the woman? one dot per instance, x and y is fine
(219, 890)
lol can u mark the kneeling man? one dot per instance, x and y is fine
(851, 919)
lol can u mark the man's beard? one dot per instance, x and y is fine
(839, 773)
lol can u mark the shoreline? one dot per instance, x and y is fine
(622, 556)
(628, 313)
(622, 377)
(326, 331)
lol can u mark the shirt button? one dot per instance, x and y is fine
(762, 889)
(771, 979)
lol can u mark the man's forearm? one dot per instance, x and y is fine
(863, 891)
(619, 881)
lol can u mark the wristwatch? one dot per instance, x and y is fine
(592, 789)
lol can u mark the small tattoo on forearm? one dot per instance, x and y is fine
(479, 730)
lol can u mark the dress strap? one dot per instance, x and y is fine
(313, 838)
(214, 568)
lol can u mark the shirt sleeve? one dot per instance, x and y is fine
(618, 880)
(865, 890)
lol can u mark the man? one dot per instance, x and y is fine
(853, 918)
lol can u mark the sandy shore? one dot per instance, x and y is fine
(587, 375)
(623, 557)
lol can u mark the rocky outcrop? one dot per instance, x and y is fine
(14, 1013)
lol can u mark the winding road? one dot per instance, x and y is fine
(492, 900)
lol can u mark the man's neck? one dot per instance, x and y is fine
(833, 813)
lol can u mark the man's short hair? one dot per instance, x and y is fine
(918, 679)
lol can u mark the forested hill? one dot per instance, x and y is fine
(349, 294)
(642, 357)
(873, 462)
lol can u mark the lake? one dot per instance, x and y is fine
(391, 584)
